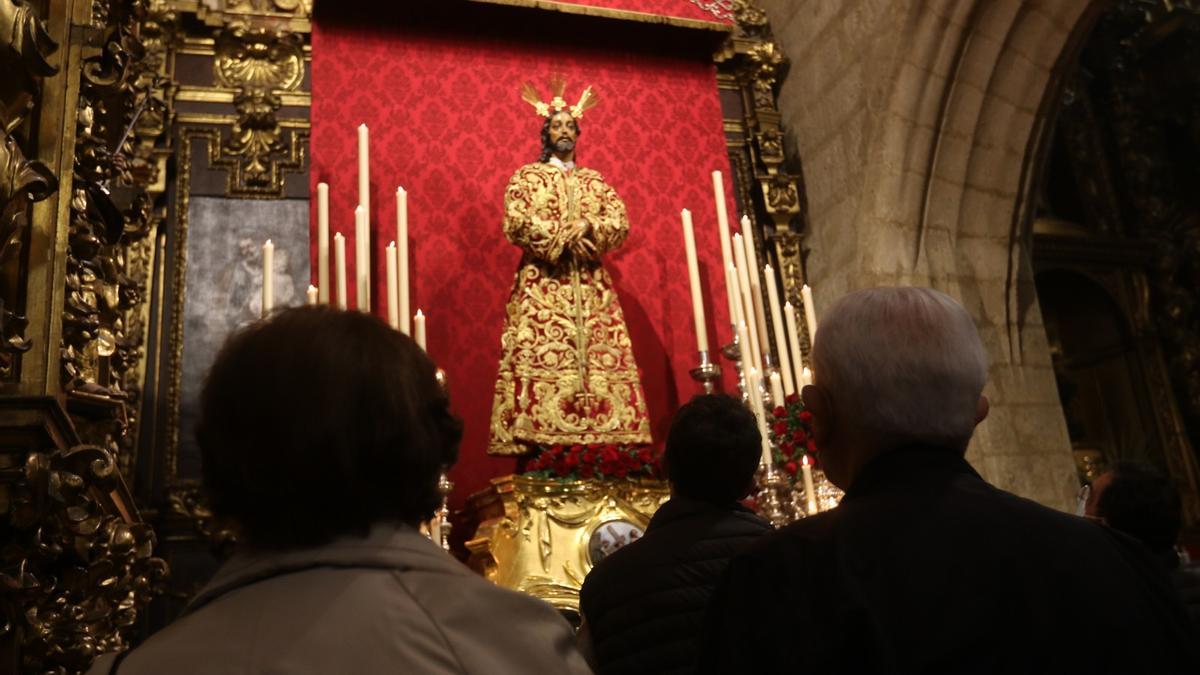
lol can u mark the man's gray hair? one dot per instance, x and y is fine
(905, 363)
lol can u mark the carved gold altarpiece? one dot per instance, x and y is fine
(543, 537)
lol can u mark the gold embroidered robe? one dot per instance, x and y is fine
(567, 373)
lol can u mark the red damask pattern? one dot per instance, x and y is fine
(447, 123)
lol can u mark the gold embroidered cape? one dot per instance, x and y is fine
(567, 373)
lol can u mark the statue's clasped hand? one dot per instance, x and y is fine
(579, 240)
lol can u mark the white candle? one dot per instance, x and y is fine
(785, 363)
(776, 389)
(793, 337)
(756, 405)
(364, 170)
(311, 296)
(419, 329)
(323, 242)
(402, 258)
(393, 307)
(723, 229)
(362, 260)
(339, 268)
(739, 252)
(805, 377)
(810, 313)
(689, 245)
(268, 280)
(810, 494)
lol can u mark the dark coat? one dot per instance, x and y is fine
(645, 603)
(926, 568)
(392, 602)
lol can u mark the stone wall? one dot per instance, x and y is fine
(919, 126)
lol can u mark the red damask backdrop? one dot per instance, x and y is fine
(439, 92)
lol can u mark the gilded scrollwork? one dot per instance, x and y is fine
(259, 63)
(78, 564)
(25, 52)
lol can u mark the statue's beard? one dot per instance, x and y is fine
(564, 145)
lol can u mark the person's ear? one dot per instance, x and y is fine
(818, 402)
(981, 410)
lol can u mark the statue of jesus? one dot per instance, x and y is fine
(567, 372)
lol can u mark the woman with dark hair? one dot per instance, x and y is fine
(322, 435)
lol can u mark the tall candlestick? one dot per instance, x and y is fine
(785, 363)
(793, 336)
(339, 269)
(756, 405)
(810, 313)
(393, 307)
(806, 376)
(323, 242)
(362, 260)
(739, 252)
(402, 258)
(689, 245)
(419, 330)
(311, 296)
(810, 494)
(776, 390)
(268, 282)
(364, 170)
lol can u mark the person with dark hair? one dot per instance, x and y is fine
(322, 435)
(643, 605)
(1140, 501)
(924, 567)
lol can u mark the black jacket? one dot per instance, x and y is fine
(645, 603)
(925, 568)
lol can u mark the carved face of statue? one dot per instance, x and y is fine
(563, 132)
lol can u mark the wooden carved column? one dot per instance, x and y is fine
(81, 154)
(750, 66)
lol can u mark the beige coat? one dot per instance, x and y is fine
(390, 603)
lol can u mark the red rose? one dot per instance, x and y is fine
(646, 455)
(560, 469)
(620, 472)
(805, 416)
(791, 467)
(780, 412)
(812, 446)
(799, 437)
(780, 428)
(787, 448)
(791, 399)
(586, 472)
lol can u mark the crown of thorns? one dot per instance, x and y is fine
(558, 85)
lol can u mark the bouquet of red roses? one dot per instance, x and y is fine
(791, 437)
(585, 462)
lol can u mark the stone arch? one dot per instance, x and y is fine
(922, 126)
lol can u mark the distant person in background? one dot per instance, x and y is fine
(643, 606)
(924, 567)
(322, 435)
(1140, 501)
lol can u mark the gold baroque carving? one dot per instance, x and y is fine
(78, 566)
(259, 63)
(25, 50)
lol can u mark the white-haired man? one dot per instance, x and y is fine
(925, 567)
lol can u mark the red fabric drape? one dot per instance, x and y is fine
(440, 96)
